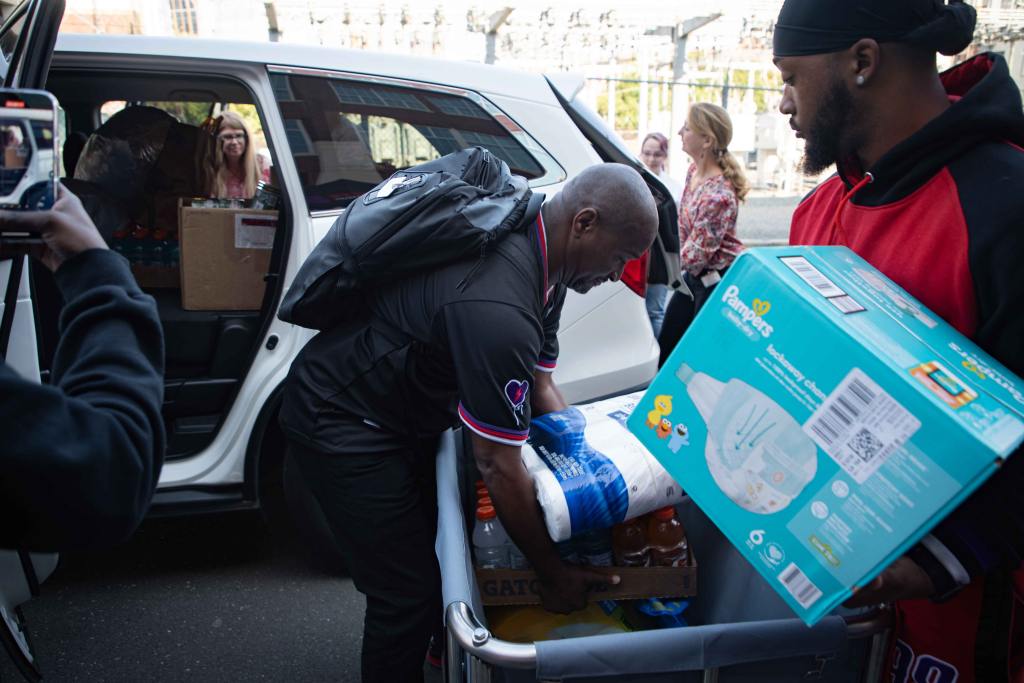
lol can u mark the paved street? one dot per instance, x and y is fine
(766, 218)
(212, 598)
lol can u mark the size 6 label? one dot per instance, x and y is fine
(859, 425)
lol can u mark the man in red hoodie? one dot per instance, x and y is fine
(930, 190)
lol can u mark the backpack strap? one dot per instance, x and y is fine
(521, 217)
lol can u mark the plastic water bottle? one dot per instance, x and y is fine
(595, 548)
(173, 253)
(490, 543)
(137, 248)
(516, 559)
(567, 551)
(119, 241)
(157, 255)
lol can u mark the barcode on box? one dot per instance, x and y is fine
(843, 412)
(846, 304)
(799, 586)
(859, 425)
(812, 276)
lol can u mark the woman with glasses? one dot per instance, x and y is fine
(234, 172)
(654, 155)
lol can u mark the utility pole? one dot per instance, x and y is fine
(612, 95)
(273, 27)
(495, 22)
(680, 93)
(644, 115)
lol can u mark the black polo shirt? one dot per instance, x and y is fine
(463, 340)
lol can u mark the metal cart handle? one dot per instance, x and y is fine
(471, 637)
(474, 639)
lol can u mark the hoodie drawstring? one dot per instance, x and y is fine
(837, 226)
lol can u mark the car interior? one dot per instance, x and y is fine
(135, 147)
(133, 150)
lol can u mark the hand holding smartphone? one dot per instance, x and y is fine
(28, 157)
(60, 232)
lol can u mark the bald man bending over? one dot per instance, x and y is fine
(365, 403)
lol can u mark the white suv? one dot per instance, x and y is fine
(336, 123)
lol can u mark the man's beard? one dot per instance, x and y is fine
(829, 133)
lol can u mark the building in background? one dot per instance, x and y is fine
(1002, 30)
(225, 19)
(642, 61)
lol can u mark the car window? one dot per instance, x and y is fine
(14, 24)
(347, 136)
(194, 113)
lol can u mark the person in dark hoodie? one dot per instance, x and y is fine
(930, 190)
(81, 457)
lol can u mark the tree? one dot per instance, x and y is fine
(627, 102)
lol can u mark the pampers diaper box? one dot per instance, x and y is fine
(832, 420)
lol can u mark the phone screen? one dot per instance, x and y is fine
(28, 150)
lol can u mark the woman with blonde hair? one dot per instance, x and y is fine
(715, 186)
(233, 169)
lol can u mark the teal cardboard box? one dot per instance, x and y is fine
(825, 420)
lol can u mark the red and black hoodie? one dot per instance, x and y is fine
(942, 215)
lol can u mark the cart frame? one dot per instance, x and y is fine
(473, 653)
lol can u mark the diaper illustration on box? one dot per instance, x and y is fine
(757, 454)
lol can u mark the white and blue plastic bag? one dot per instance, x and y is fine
(590, 472)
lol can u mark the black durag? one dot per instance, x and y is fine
(814, 27)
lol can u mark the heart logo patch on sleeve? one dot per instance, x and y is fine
(516, 392)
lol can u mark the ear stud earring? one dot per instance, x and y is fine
(860, 80)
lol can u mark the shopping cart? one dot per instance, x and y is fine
(744, 631)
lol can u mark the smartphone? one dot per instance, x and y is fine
(28, 154)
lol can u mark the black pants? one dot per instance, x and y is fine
(679, 314)
(382, 508)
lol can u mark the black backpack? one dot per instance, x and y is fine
(419, 218)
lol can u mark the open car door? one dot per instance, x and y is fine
(663, 265)
(27, 36)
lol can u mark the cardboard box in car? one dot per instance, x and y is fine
(15, 157)
(833, 420)
(521, 586)
(225, 254)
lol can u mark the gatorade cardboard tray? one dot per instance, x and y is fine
(832, 420)
(520, 587)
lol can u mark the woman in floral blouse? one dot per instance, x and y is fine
(715, 185)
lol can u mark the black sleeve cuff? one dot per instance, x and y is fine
(94, 268)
